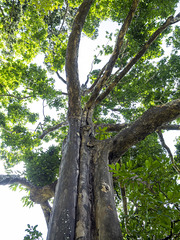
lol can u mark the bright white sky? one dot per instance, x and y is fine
(14, 217)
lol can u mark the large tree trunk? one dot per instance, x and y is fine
(84, 206)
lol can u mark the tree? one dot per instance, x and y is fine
(105, 134)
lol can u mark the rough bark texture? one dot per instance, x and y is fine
(63, 220)
(107, 224)
(84, 205)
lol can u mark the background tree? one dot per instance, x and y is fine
(104, 135)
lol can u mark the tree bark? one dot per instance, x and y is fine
(106, 219)
(84, 206)
(63, 218)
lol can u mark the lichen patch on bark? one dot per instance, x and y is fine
(105, 187)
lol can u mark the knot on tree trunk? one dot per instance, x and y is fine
(42, 194)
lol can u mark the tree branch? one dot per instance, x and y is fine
(61, 78)
(10, 179)
(51, 129)
(148, 123)
(170, 127)
(171, 20)
(115, 54)
(72, 77)
(172, 234)
(175, 19)
(124, 201)
(67, 6)
(2, 11)
(11, 95)
(46, 208)
(63, 93)
(168, 150)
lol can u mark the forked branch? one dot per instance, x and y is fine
(110, 65)
(171, 20)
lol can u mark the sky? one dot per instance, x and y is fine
(14, 217)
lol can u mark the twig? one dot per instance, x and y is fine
(92, 64)
(2, 11)
(138, 179)
(67, 6)
(171, 231)
(97, 79)
(6, 130)
(168, 150)
(51, 129)
(11, 95)
(61, 78)
(43, 109)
